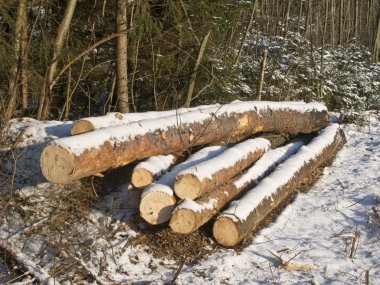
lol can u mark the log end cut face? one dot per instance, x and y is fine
(183, 221)
(57, 164)
(187, 186)
(82, 126)
(225, 231)
(141, 178)
(156, 207)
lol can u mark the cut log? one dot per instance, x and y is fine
(195, 181)
(68, 159)
(158, 200)
(190, 215)
(145, 172)
(116, 119)
(244, 215)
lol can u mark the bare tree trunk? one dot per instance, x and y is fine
(341, 9)
(121, 66)
(24, 58)
(333, 23)
(17, 62)
(262, 74)
(46, 94)
(376, 45)
(195, 70)
(287, 17)
(246, 31)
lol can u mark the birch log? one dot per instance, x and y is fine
(190, 215)
(116, 119)
(145, 172)
(68, 159)
(197, 180)
(157, 200)
(245, 214)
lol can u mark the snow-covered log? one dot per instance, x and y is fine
(158, 200)
(190, 215)
(116, 119)
(244, 215)
(152, 168)
(68, 159)
(199, 179)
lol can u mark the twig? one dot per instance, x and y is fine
(178, 271)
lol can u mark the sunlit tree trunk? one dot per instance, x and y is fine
(19, 50)
(46, 94)
(121, 65)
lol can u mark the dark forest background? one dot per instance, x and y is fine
(69, 59)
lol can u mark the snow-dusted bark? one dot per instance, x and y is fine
(190, 215)
(158, 200)
(68, 159)
(145, 172)
(195, 181)
(116, 119)
(244, 215)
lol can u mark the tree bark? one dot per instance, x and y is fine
(262, 74)
(195, 70)
(18, 44)
(376, 45)
(121, 64)
(244, 215)
(68, 159)
(46, 93)
(116, 119)
(196, 181)
(190, 215)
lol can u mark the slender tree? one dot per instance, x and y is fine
(121, 50)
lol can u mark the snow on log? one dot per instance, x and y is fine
(157, 200)
(152, 168)
(190, 215)
(243, 215)
(116, 119)
(68, 159)
(199, 179)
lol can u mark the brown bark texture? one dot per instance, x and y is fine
(191, 184)
(69, 159)
(116, 119)
(229, 230)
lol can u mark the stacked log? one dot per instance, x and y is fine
(145, 172)
(245, 214)
(201, 178)
(158, 200)
(191, 214)
(116, 119)
(68, 159)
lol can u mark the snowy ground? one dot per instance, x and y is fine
(316, 231)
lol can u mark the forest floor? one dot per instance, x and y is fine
(90, 232)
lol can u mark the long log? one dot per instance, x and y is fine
(158, 200)
(145, 172)
(244, 215)
(68, 159)
(116, 119)
(197, 180)
(191, 214)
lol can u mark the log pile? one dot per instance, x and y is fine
(255, 173)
